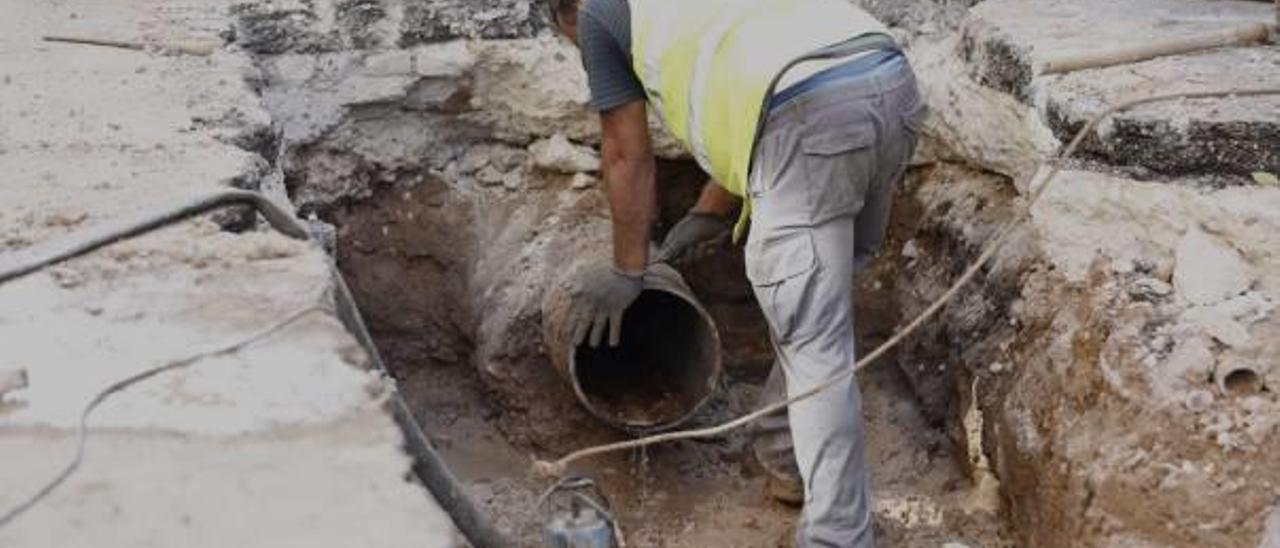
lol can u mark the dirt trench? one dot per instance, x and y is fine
(456, 202)
(455, 158)
(450, 229)
(410, 253)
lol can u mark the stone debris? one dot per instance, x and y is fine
(445, 60)
(582, 181)
(490, 176)
(560, 155)
(1208, 270)
(1145, 282)
(248, 433)
(1150, 289)
(389, 63)
(1190, 364)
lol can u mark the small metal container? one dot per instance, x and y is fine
(582, 527)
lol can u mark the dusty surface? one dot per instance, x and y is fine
(1109, 382)
(448, 165)
(285, 442)
(710, 493)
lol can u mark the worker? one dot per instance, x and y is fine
(803, 113)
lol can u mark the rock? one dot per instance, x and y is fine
(1191, 361)
(1085, 215)
(1149, 289)
(532, 89)
(559, 155)
(475, 159)
(1209, 270)
(1006, 41)
(910, 250)
(490, 176)
(444, 60)
(290, 68)
(389, 63)
(438, 20)
(513, 181)
(373, 89)
(1217, 322)
(582, 181)
(1199, 401)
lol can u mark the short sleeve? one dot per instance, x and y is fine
(610, 76)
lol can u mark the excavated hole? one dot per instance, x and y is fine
(407, 253)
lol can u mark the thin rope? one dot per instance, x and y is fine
(557, 468)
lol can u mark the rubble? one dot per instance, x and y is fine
(228, 450)
(1208, 271)
(1110, 374)
(559, 155)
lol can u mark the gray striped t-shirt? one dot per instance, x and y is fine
(604, 36)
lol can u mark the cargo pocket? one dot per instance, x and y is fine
(839, 164)
(913, 117)
(780, 269)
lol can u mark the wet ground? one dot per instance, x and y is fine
(711, 494)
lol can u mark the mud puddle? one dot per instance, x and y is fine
(709, 494)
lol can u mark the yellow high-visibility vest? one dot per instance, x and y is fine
(707, 66)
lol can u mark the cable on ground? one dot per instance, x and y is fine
(82, 428)
(428, 465)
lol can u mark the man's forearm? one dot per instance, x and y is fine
(714, 200)
(627, 155)
(632, 199)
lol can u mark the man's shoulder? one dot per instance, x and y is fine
(606, 10)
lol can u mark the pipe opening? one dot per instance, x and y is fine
(664, 368)
(1242, 382)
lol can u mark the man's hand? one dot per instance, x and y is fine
(600, 297)
(693, 229)
(705, 220)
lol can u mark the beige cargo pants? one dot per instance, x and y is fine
(824, 174)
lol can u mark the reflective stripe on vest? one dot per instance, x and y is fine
(707, 66)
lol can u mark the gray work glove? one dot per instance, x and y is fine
(693, 229)
(600, 297)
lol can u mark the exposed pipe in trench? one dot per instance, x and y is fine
(558, 467)
(428, 465)
(666, 368)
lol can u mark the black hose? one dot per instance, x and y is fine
(429, 467)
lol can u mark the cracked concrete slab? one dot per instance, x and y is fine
(1006, 41)
(285, 442)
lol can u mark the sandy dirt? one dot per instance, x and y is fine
(709, 494)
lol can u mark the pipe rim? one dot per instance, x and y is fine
(713, 380)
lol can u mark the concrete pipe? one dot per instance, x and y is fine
(1238, 378)
(665, 368)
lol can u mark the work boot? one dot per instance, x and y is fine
(773, 447)
(782, 478)
(785, 488)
